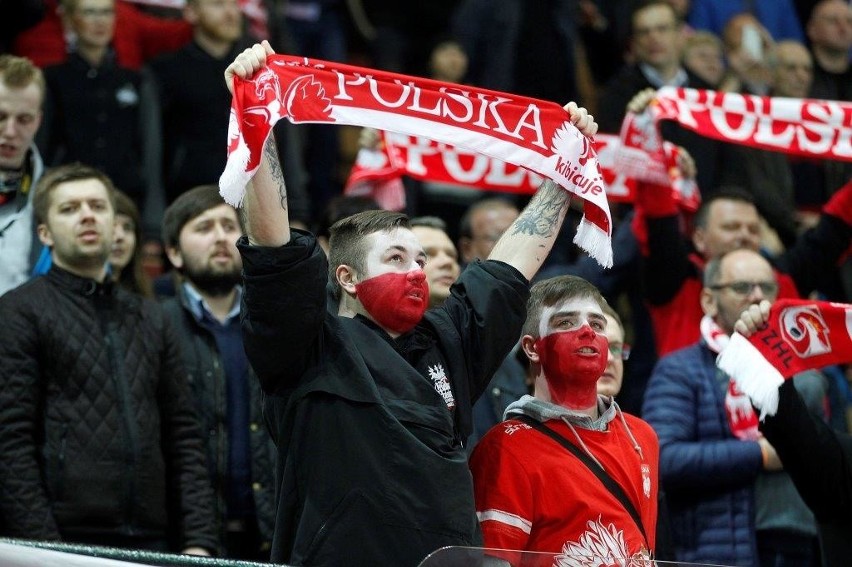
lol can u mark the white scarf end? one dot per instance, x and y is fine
(595, 241)
(233, 181)
(752, 373)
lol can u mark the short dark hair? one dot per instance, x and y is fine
(346, 244)
(724, 193)
(429, 222)
(644, 5)
(341, 207)
(188, 206)
(489, 203)
(65, 174)
(551, 291)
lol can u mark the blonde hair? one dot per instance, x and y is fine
(19, 73)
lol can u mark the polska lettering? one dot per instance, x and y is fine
(799, 126)
(488, 112)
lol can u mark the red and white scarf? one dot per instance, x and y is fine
(801, 335)
(741, 417)
(526, 132)
(805, 127)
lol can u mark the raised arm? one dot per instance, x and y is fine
(526, 244)
(265, 205)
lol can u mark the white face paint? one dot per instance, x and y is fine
(570, 315)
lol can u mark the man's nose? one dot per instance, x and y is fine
(7, 127)
(586, 329)
(756, 293)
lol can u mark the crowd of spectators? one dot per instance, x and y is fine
(127, 98)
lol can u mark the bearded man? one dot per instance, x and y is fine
(200, 232)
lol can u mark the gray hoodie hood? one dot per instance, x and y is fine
(542, 411)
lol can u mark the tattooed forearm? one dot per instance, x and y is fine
(275, 170)
(542, 216)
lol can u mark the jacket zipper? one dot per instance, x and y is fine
(121, 388)
(60, 463)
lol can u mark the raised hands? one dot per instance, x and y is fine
(641, 100)
(247, 63)
(753, 318)
(581, 118)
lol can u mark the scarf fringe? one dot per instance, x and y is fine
(233, 181)
(595, 241)
(753, 374)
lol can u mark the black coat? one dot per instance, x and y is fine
(371, 467)
(98, 435)
(819, 460)
(711, 156)
(206, 375)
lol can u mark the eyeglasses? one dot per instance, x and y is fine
(745, 288)
(621, 351)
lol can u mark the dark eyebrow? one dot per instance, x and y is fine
(404, 250)
(595, 316)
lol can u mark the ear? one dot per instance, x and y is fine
(190, 14)
(698, 240)
(175, 256)
(44, 235)
(708, 302)
(347, 278)
(529, 346)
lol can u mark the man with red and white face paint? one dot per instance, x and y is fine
(370, 407)
(519, 467)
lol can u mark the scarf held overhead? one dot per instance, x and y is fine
(800, 335)
(531, 133)
(804, 127)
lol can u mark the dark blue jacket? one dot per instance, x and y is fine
(708, 474)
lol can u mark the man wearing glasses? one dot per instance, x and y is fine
(728, 499)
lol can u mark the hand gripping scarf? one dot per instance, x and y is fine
(800, 335)
(531, 133)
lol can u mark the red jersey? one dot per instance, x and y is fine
(533, 495)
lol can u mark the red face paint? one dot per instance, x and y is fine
(396, 301)
(572, 362)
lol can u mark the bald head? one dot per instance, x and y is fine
(735, 281)
(793, 72)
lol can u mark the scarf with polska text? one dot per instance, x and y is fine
(526, 132)
(800, 335)
(803, 127)
(377, 170)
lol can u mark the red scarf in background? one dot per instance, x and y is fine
(531, 133)
(427, 160)
(801, 335)
(805, 127)
(376, 171)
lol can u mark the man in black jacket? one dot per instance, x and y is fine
(200, 233)
(817, 457)
(99, 441)
(656, 42)
(370, 409)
